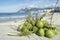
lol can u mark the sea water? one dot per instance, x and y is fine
(12, 16)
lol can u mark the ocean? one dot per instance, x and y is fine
(12, 16)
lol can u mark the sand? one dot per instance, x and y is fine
(14, 23)
(11, 26)
(55, 20)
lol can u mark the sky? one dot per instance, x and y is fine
(15, 5)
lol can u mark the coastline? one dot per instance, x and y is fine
(11, 26)
(56, 20)
(14, 23)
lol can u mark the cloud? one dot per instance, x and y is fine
(16, 7)
(50, 5)
(9, 9)
(13, 8)
(28, 4)
(31, 6)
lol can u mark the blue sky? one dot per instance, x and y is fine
(15, 5)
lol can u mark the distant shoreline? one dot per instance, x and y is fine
(56, 20)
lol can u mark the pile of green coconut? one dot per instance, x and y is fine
(39, 26)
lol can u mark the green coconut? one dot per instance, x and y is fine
(35, 29)
(39, 24)
(46, 24)
(55, 31)
(52, 26)
(29, 26)
(28, 20)
(45, 29)
(41, 32)
(19, 27)
(49, 33)
(33, 22)
(25, 31)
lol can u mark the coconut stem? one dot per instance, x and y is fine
(51, 18)
(53, 11)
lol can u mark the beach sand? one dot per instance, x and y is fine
(11, 26)
(15, 23)
(55, 20)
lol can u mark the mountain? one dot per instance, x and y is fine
(27, 10)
